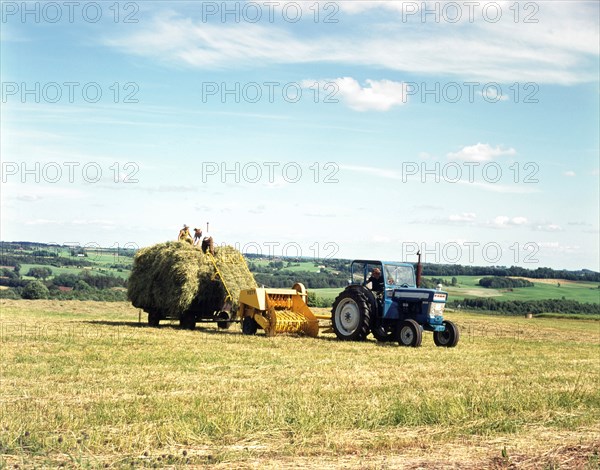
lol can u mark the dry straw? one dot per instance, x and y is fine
(173, 277)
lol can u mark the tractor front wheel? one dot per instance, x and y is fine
(447, 338)
(351, 316)
(409, 334)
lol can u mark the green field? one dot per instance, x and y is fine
(302, 266)
(85, 385)
(73, 270)
(327, 293)
(543, 289)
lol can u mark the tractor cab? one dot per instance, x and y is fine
(393, 276)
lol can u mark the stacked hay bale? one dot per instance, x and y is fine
(173, 277)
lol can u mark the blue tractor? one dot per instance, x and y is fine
(383, 298)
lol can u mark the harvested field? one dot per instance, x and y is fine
(83, 384)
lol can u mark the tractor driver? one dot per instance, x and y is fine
(376, 280)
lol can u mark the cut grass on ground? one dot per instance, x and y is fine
(85, 385)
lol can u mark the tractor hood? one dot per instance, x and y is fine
(418, 295)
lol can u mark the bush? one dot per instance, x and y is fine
(40, 273)
(315, 301)
(82, 286)
(12, 294)
(503, 282)
(34, 290)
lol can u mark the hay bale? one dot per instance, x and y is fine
(174, 277)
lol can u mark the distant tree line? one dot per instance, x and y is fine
(56, 261)
(34, 290)
(522, 307)
(438, 270)
(287, 278)
(9, 278)
(497, 282)
(81, 286)
(97, 281)
(433, 282)
(515, 271)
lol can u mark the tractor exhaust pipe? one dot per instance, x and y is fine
(419, 269)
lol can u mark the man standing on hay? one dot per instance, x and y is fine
(185, 235)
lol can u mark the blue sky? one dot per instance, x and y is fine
(367, 168)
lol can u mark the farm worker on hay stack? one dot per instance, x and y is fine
(197, 236)
(205, 241)
(185, 235)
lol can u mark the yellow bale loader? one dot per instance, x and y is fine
(277, 311)
(274, 310)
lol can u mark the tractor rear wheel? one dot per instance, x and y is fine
(249, 326)
(447, 338)
(351, 316)
(409, 334)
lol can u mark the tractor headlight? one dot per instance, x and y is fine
(436, 309)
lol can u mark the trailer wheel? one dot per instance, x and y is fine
(409, 334)
(351, 316)
(447, 338)
(153, 319)
(249, 326)
(224, 321)
(187, 321)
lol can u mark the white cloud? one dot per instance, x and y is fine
(547, 228)
(580, 223)
(42, 222)
(358, 6)
(480, 153)
(569, 173)
(492, 94)
(28, 197)
(464, 217)
(519, 220)
(501, 188)
(503, 221)
(557, 247)
(375, 95)
(481, 51)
